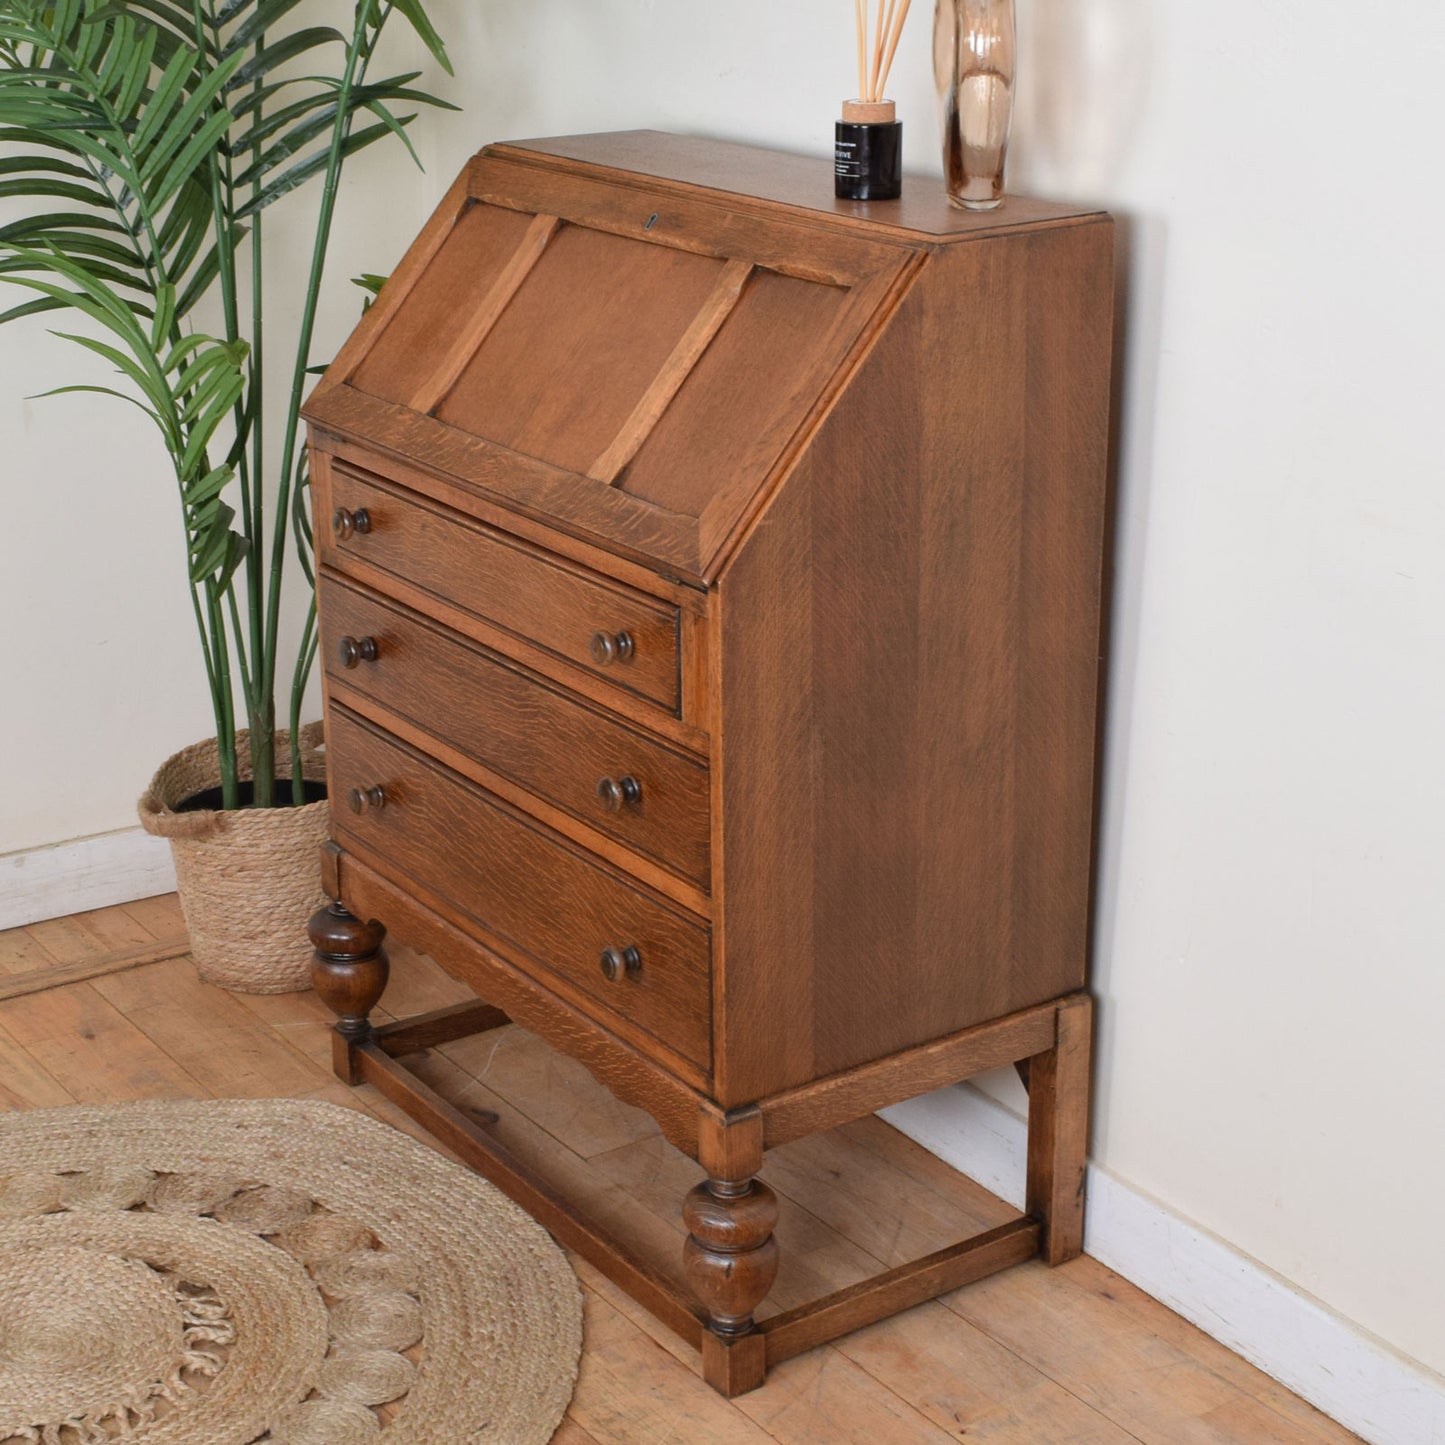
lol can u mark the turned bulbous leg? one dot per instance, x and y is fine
(731, 1261)
(349, 972)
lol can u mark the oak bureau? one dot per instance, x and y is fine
(709, 579)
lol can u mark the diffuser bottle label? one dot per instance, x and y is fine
(847, 160)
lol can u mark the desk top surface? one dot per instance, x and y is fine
(804, 182)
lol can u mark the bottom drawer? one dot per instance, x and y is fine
(545, 902)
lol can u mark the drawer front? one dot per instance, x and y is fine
(625, 638)
(531, 733)
(549, 906)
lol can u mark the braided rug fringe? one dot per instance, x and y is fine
(425, 1257)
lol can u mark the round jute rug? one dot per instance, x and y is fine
(228, 1273)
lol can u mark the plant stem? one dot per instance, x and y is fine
(305, 657)
(255, 519)
(226, 702)
(219, 173)
(355, 52)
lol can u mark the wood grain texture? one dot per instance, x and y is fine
(432, 367)
(431, 302)
(25, 1083)
(548, 902)
(204, 1030)
(522, 591)
(537, 736)
(37, 980)
(577, 352)
(632, 209)
(615, 1055)
(555, 1092)
(932, 731)
(590, 511)
(839, 1098)
(1058, 1147)
(22, 953)
(859, 863)
(730, 1258)
(349, 971)
(441, 1026)
(1100, 1338)
(735, 411)
(865, 313)
(797, 1331)
(460, 497)
(762, 181)
(398, 288)
(678, 367)
(681, 891)
(91, 1050)
(966, 1383)
(521, 1184)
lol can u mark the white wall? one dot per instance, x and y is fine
(1269, 953)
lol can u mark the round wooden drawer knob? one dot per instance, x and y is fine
(345, 522)
(367, 800)
(355, 650)
(620, 963)
(616, 793)
(607, 648)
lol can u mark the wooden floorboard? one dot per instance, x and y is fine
(1072, 1356)
(89, 945)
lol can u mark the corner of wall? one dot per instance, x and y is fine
(1339, 1368)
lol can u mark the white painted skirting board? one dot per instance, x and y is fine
(1339, 1368)
(87, 873)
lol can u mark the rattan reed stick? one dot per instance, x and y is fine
(875, 59)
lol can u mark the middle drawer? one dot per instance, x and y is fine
(622, 783)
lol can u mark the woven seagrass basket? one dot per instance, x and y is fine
(248, 879)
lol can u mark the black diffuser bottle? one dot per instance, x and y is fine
(868, 155)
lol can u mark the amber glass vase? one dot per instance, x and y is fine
(974, 48)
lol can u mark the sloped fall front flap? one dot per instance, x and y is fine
(632, 363)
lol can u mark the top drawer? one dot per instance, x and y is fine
(629, 640)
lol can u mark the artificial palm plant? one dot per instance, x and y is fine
(144, 141)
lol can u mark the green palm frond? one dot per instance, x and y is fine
(141, 141)
(187, 388)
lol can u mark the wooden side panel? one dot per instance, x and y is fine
(764, 787)
(909, 642)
